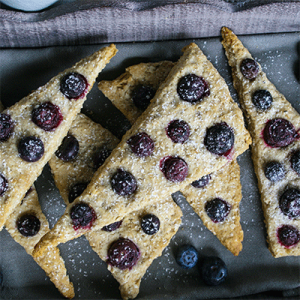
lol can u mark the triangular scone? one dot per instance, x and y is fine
(119, 91)
(224, 184)
(40, 122)
(127, 182)
(96, 142)
(51, 262)
(274, 126)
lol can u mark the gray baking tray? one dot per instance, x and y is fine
(253, 271)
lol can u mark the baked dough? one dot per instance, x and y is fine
(224, 184)
(20, 174)
(92, 137)
(261, 153)
(152, 185)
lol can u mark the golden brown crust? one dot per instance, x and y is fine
(92, 136)
(152, 185)
(51, 262)
(19, 173)
(225, 183)
(261, 154)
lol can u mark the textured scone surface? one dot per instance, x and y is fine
(52, 263)
(261, 152)
(152, 185)
(19, 173)
(224, 184)
(150, 246)
(92, 138)
(119, 91)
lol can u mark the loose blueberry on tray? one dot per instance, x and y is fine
(187, 256)
(213, 270)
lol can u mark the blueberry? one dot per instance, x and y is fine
(192, 88)
(69, 148)
(279, 133)
(187, 256)
(142, 95)
(112, 227)
(288, 236)
(174, 169)
(295, 162)
(76, 190)
(3, 185)
(47, 116)
(28, 225)
(31, 148)
(249, 68)
(123, 254)
(150, 224)
(123, 183)
(217, 209)
(274, 171)
(6, 127)
(83, 216)
(202, 182)
(219, 139)
(262, 99)
(213, 270)
(178, 131)
(100, 156)
(73, 85)
(289, 203)
(141, 144)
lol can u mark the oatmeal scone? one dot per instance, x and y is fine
(274, 126)
(85, 148)
(35, 126)
(148, 165)
(216, 194)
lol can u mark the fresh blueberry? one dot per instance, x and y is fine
(202, 182)
(295, 161)
(289, 203)
(141, 144)
(68, 149)
(178, 131)
(150, 224)
(175, 169)
(83, 216)
(100, 156)
(28, 225)
(73, 85)
(279, 133)
(187, 256)
(123, 254)
(249, 68)
(142, 95)
(213, 270)
(112, 227)
(219, 139)
(6, 127)
(31, 148)
(217, 209)
(47, 116)
(76, 190)
(288, 236)
(192, 88)
(262, 99)
(123, 183)
(3, 185)
(274, 171)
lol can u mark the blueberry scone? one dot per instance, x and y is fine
(33, 128)
(148, 165)
(141, 235)
(274, 125)
(215, 197)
